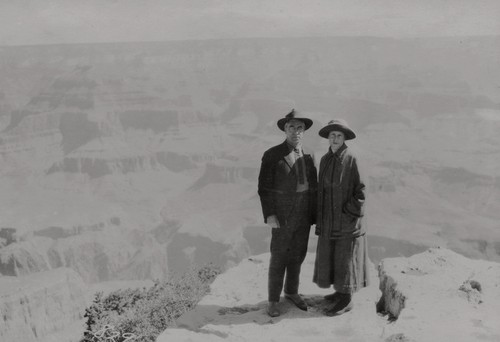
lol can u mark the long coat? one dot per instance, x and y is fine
(341, 254)
(278, 183)
(341, 215)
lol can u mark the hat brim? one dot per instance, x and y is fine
(348, 133)
(307, 122)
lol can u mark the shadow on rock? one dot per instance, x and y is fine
(204, 315)
(318, 303)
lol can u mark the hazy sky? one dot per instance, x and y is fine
(72, 21)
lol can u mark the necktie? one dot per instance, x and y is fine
(299, 162)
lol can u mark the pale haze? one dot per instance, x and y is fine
(132, 132)
(53, 22)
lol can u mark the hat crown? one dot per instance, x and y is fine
(291, 115)
(338, 122)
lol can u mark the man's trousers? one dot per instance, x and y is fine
(289, 248)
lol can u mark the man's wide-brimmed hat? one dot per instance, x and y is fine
(337, 125)
(294, 115)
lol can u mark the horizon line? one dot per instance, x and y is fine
(124, 42)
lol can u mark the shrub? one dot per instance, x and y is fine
(142, 314)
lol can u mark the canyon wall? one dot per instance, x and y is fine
(38, 305)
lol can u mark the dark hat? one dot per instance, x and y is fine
(337, 125)
(293, 115)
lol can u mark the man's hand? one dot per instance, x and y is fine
(272, 221)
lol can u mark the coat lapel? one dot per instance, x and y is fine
(288, 160)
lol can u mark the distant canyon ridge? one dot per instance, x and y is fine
(128, 161)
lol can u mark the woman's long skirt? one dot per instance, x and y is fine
(342, 263)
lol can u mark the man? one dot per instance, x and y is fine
(287, 190)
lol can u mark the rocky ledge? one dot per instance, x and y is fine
(440, 295)
(437, 295)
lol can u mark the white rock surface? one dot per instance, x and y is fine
(435, 308)
(36, 306)
(432, 297)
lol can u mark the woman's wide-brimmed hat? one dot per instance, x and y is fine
(294, 115)
(337, 125)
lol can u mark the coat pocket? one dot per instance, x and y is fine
(348, 222)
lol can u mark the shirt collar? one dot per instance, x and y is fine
(291, 148)
(337, 153)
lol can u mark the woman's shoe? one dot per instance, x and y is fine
(343, 305)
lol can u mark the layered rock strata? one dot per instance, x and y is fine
(38, 305)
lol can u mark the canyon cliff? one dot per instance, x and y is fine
(39, 305)
(128, 161)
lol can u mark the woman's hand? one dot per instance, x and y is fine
(272, 221)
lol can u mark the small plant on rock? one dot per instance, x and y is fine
(142, 314)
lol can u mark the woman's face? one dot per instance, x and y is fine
(336, 139)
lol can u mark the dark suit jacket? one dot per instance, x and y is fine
(278, 183)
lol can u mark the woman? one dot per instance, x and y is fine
(341, 255)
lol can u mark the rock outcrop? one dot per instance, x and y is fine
(97, 256)
(437, 295)
(96, 167)
(449, 297)
(36, 306)
(226, 173)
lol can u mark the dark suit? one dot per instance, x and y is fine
(295, 212)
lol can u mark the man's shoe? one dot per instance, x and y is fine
(343, 305)
(297, 300)
(272, 309)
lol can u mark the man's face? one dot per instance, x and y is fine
(336, 139)
(294, 130)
